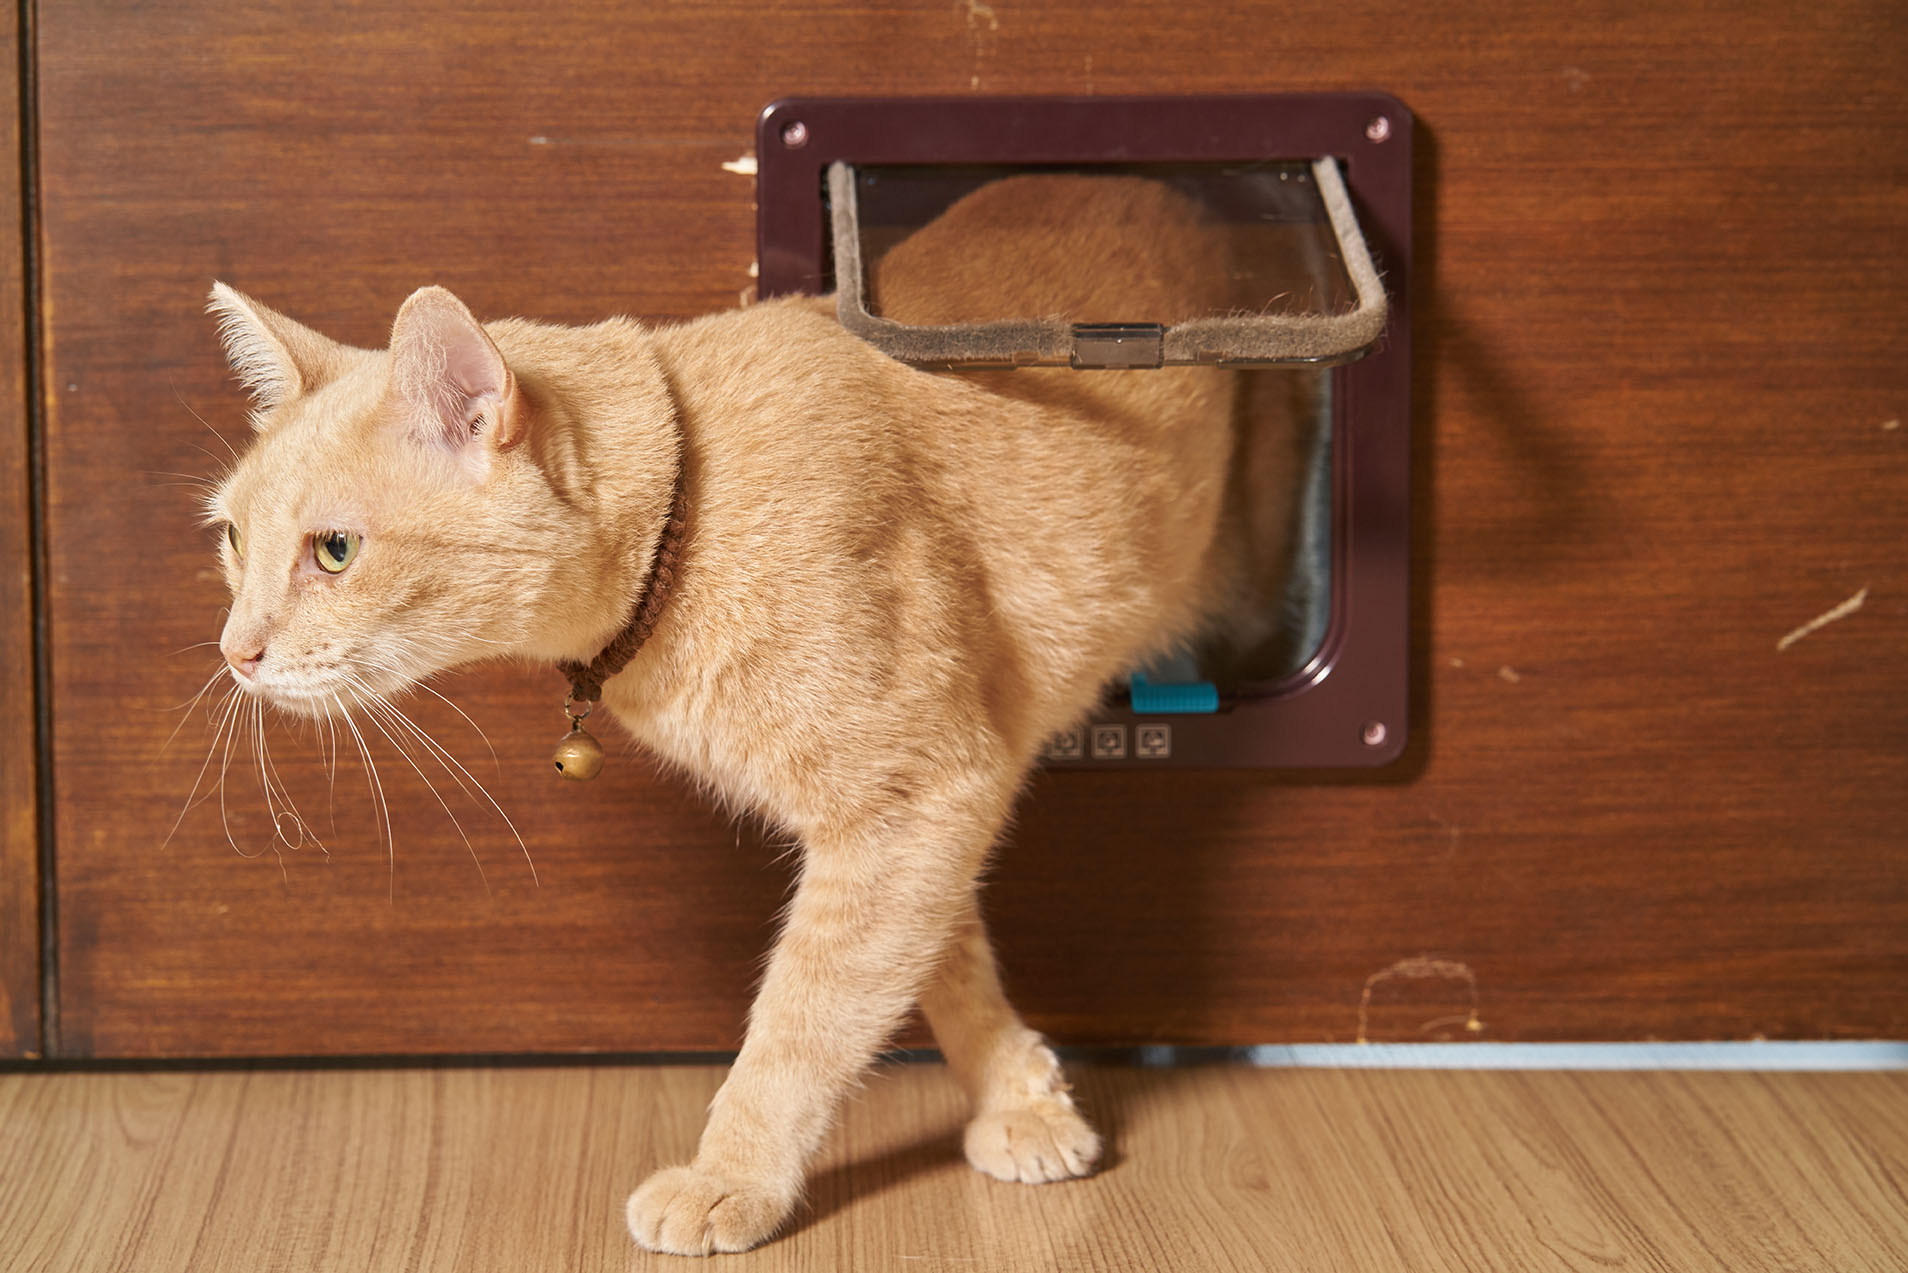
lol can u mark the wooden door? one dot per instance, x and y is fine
(19, 769)
(1658, 394)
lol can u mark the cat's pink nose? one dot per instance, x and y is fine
(246, 665)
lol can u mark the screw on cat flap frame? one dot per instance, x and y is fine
(1314, 191)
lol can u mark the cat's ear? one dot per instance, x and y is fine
(457, 392)
(275, 358)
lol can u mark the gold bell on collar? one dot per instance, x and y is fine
(579, 757)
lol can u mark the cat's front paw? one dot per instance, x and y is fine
(1043, 1140)
(686, 1211)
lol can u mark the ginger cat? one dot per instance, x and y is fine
(894, 586)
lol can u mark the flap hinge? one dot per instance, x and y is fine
(1118, 346)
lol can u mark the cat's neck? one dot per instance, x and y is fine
(606, 437)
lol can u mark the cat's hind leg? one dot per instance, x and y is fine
(1025, 1126)
(867, 928)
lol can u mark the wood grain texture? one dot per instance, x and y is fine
(1213, 1169)
(1659, 340)
(19, 768)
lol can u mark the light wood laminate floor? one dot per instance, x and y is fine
(1214, 1168)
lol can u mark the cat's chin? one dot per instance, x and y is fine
(302, 702)
(331, 701)
(316, 702)
(298, 703)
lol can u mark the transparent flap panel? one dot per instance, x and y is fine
(1247, 264)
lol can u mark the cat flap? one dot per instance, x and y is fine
(1300, 285)
(1317, 671)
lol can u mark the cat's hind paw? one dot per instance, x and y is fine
(684, 1211)
(1034, 1143)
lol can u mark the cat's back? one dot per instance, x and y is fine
(891, 508)
(1086, 249)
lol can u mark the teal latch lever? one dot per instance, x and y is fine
(1179, 698)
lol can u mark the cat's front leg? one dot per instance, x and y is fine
(1024, 1126)
(866, 930)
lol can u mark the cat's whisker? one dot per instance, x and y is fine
(372, 714)
(196, 645)
(444, 651)
(450, 645)
(187, 707)
(331, 768)
(265, 783)
(468, 721)
(201, 419)
(210, 455)
(444, 757)
(377, 789)
(228, 707)
(258, 717)
(187, 480)
(270, 778)
(372, 700)
(372, 662)
(225, 766)
(450, 764)
(221, 717)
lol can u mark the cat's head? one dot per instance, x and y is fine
(383, 524)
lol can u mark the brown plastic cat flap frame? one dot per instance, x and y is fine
(1305, 202)
(1261, 338)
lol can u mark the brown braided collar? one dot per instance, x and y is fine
(586, 683)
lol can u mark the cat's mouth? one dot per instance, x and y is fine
(293, 700)
(316, 697)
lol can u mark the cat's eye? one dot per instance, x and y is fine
(334, 549)
(235, 539)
